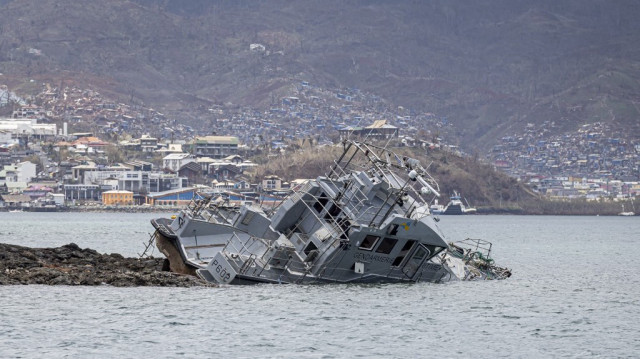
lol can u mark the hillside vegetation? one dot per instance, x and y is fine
(488, 67)
(477, 182)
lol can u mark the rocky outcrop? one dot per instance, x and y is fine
(72, 265)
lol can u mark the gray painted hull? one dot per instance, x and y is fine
(351, 226)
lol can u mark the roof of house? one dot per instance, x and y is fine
(15, 198)
(193, 166)
(232, 140)
(174, 191)
(380, 124)
(233, 157)
(117, 191)
(206, 160)
(176, 156)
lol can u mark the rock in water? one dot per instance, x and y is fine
(72, 265)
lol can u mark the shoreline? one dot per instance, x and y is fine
(119, 209)
(532, 209)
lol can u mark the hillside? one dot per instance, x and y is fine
(488, 67)
(479, 183)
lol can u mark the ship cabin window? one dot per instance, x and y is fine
(403, 252)
(310, 247)
(393, 230)
(369, 242)
(321, 202)
(334, 211)
(420, 253)
(433, 250)
(247, 218)
(386, 246)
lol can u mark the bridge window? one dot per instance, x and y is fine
(334, 211)
(386, 246)
(403, 252)
(322, 201)
(369, 242)
(310, 247)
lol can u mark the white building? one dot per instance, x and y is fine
(175, 161)
(28, 127)
(135, 181)
(6, 138)
(148, 144)
(20, 172)
(17, 176)
(216, 147)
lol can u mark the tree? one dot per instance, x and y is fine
(114, 155)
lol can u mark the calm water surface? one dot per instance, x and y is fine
(575, 293)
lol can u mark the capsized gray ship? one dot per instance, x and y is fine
(366, 221)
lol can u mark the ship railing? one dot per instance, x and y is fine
(326, 216)
(353, 200)
(391, 168)
(242, 247)
(473, 247)
(352, 149)
(214, 210)
(242, 255)
(198, 203)
(384, 160)
(334, 229)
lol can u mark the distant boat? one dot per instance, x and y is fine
(623, 213)
(455, 206)
(436, 208)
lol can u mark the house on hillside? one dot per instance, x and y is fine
(271, 183)
(216, 147)
(148, 144)
(174, 161)
(225, 171)
(236, 159)
(378, 130)
(89, 144)
(19, 172)
(192, 171)
(170, 148)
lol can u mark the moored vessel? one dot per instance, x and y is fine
(455, 206)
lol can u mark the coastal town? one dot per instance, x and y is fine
(67, 147)
(594, 162)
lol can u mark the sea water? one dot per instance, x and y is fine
(575, 292)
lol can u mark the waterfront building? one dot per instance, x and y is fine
(179, 197)
(117, 197)
(81, 192)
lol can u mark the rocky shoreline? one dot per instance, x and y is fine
(72, 265)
